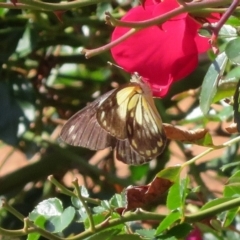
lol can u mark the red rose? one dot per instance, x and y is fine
(161, 54)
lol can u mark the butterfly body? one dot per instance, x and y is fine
(125, 118)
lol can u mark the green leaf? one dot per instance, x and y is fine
(233, 21)
(233, 75)
(180, 231)
(99, 209)
(146, 233)
(126, 237)
(210, 82)
(76, 202)
(47, 208)
(97, 218)
(105, 204)
(40, 222)
(235, 178)
(33, 236)
(24, 46)
(103, 7)
(184, 189)
(56, 224)
(229, 165)
(166, 237)
(138, 172)
(9, 39)
(207, 229)
(177, 194)
(168, 221)
(81, 215)
(232, 189)
(226, 89)
(225, 113)
(174, 198)
(230, 216)
(84, 191)
(117, 201)
(227, 31)
(216, 202)
(206, 141)
(106, 235)
(232, 50)
(170, 173)
(51, 213)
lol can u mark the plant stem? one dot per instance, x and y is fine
(210, 212)
(143, 215)
(56, 6)
(12, 210)
(226, 144)
(62, 189)
(81, 198)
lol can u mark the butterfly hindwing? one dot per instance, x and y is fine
(83, 129)
(126, 154)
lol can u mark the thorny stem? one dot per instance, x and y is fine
(63, 189)
(188, 8)
(79, 195)
(143, 215)
(226, 144)
(45, 6)
(138, 215)
(215, 29)
(92, 52)
(12, 210)
(137, 26)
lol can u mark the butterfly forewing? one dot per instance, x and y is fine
(112, 113)
(83, 129)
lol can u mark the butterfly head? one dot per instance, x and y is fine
(136, 78)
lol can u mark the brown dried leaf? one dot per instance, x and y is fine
(141, 196)
(183, 95)
(232, 128)
(175, 133)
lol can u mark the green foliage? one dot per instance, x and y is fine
(210, 82)
(45, 79)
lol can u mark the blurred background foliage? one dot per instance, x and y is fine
(44, 80)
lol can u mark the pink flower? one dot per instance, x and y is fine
(195, 234)
(161, 54)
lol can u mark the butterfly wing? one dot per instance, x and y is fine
(144, 126)
(112, 113)
(83, 129)
(126, 154)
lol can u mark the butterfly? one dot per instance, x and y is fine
(124, 118)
